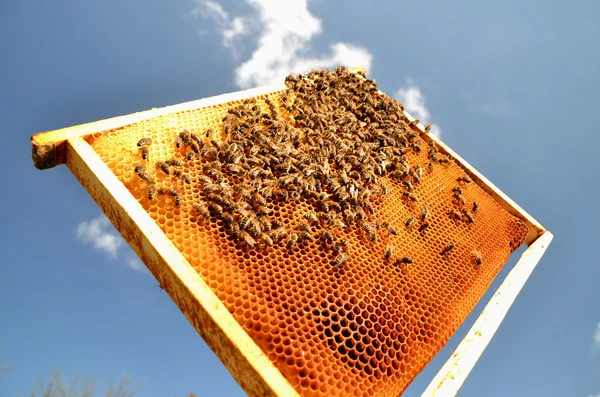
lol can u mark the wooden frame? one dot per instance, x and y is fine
(247, 363)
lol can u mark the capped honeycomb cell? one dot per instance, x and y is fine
(347, 246)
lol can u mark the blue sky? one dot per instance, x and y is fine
(512, 86)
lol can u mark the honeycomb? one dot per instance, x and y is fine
(348, 247)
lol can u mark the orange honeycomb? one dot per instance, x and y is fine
(337, 314)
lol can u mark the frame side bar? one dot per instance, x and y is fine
(251, 368)
(453, 374)
(535, 228)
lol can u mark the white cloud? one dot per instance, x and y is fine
(597, 337)
(229, 29)
(285, 31)
(414, 103)
(100, 234)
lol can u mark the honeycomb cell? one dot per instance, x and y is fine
(318, 294)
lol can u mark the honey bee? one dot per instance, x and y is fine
(413, 197)
(423, 226)
(185, 137)
(190, 155)
(234, 168)
(349, 216)
(195, 147)
(455, 215)
(258, 198)
(447, 249)
(177, 201)
(227, 218)
(248, 239)
(196, 138)
(469, 217)
(210, 132)
(409, 221)
(292, 240)
(408, 185)
(424, 213)
(144, 142)
(140, 169)
(151, 192)
(147, 177)
(477, 257)
(164, 167)
(213, 188)
(201, 209)
(464, 179)
(457, 189)
(278, 233)
(235, 231)
(370, 230)
(417, 172)
(174, 163)
(304, 235)
(310, 217)
(475, 207)
(263, 210)
(178, 142)
(205, 179)
(186, 178)
(404, 260)
(389, 250)
(391, 229)
(427, 127)
(340, 259)
(266, 239)
(216, 208)
(145, 152)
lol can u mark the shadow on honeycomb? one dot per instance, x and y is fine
(335, 311)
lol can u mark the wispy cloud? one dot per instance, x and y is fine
(597, 338)
(285, 30)
(101, 235)
(414, 103)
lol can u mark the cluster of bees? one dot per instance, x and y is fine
(329, 143)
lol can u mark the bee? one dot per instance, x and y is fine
(178, 142)
(423, 226)
(248, 239)
(236, 169)
(140, 169)
(278, 234)
(258, 199)
(292, 240)
(304, 235)
(338, 246)
(409, 221)
(447, 249)
(213, 188)
(190, 155)
(413, 197)
(205, 179)
(304, 227)
(210, 132)
(195, 147)
(174, 163)
(144, 142)
(457, 189)
(340, 259)
(169, 191)
(147, 177)
(151, 192)
(177, 201)
(145, 152)
(263, 210)
(227, 218)
(326, 235)
(408, 185)
(427, 127)
(417, 172)
(389, 250)
(469, 217)
(185, 137)
(196, 138)
(424, 214)
(310, 217)
(235, 231)
(464, 179)
(404, 260)
(164, 167)
(475, 207)
(266, 239)
(391, 229)
(370, 230)
(477, 257)
(458, 198)
(455, 215)
(201, 209)
(186, 178)
(216, 208)
(349, 216)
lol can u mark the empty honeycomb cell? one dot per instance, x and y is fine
(318, 296)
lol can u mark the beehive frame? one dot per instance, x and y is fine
(244, 359)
